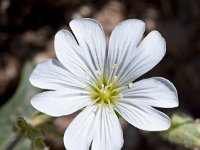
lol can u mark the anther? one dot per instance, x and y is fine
(98, 72)
(109, 102)
(87, 88)
(115, 78)
(109, 85)
(106, 87)
(130, 85)
(114, 66)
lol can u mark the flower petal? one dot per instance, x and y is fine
(52, 75)
(157, 92)
(108, 133)
(123, 42)
(59, 103)
(148, 54)
(69, 53)
(143, 116)
(91, 38)
(80, 132)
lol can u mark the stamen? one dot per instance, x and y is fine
(114, 66)
(121, 96)
(109, 85)
(104, 92)
(130, 85)
(109, 102)
(96, 100)
(112, 72)
(120, 88)
(87, 88)
(87, 71)
(98, 72)
(115, 78)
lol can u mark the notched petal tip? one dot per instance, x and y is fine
(160, 125)
(34, 103)
(170, 85)
(166, 126)
(158, 38)
(156, 42)
(74, 21)
(54, 103)
(156, 35)
(129, 25)
(33, 79)
(133, 21)
(64, 139)
(60, 34)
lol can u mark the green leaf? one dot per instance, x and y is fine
(19, 105)
(184, 131)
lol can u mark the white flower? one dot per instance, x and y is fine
(88, 77)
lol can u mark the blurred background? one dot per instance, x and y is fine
(27, 29)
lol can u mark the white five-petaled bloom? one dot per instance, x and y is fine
(99, 82)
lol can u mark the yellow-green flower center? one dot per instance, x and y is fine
(105, 93)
